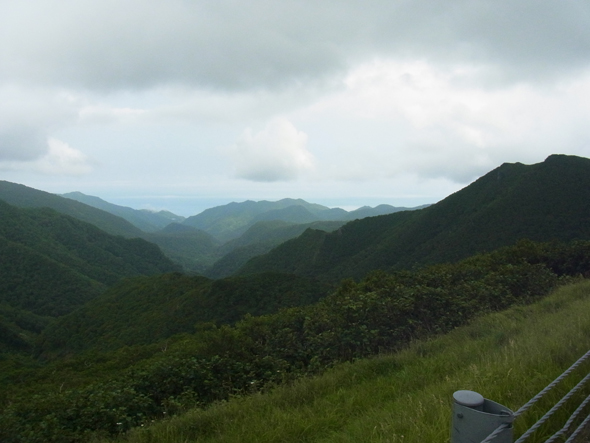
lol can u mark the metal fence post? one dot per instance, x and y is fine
(475, 418)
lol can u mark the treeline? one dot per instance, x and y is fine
(381, 313)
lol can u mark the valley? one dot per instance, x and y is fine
(113, 317)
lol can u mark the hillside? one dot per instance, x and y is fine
(105, 393)
(259, 239)
(147, 221)
(52, 263)
(144, 310)
(406, 397)
(25, 197)
(549, 200)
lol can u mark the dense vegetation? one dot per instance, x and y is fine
(383, 312)
(406, 397)
(52, 263)
(144, 310)
(125, 351)
(541, 202)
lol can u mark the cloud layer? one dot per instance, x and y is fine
(346, 96)
(233, 45)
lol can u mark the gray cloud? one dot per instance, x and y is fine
(21, 143)
(27, 118)
(235, 45)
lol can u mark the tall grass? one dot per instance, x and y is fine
(407, 397)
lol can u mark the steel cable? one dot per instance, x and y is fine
(558, 405)
(537, 397)
(578, 430)
(567, 425)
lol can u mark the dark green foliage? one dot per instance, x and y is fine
(541, 202)
(380, 313)
(19, 328)
(52, 263)
(144, 310)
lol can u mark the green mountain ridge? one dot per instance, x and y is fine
(25, 197)
(147, 221)
(153, 346)
(202, 247)
(549, 200)
(232, 220)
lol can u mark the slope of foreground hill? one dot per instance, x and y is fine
(97, 394)
(406, 397)
(52, 263)
(545, 201)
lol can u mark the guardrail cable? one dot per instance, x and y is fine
(578, 430)
(494, 434)
(537, 397)
(558, 405)
(567, 425)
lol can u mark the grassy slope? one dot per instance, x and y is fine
(406, 397)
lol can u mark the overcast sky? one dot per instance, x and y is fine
(186, 104)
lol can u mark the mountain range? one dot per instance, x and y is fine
(55, 261)
(542, 202)
(219, 240)
(96, 317)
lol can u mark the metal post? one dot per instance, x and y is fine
(475, 418)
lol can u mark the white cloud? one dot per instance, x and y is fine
(437, 121)
(60, 160)
(276, 153)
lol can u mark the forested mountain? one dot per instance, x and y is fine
(52, 263)
(210, 243)
(96, 394)
(154, 345)
(25, 197)
(232, 220)
(147, 221)
(549, 200)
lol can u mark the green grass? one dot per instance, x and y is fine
(407, 397)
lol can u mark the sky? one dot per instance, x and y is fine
(189, 104)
